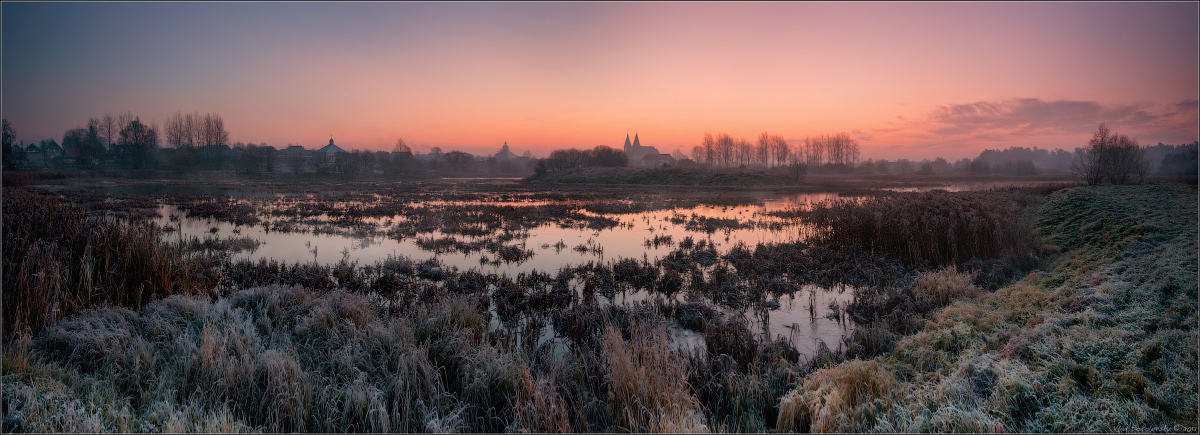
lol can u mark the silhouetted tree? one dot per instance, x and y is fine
(1182, 163)
(108, 130)
(1110, 156)
(459, 161)
(138, 142)
(87, 141)
(401, 160)
(10, 136)
(725, 149)
(255, 159)
(710, 149)
(604, 156)
(561, 160)
(779, 150)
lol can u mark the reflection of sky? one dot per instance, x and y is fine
(792, 320)
(623, 241)
(617, 243)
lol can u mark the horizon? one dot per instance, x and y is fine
(909, 80)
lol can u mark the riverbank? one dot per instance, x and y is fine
(1103, 340)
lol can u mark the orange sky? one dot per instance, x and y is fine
(911, 80)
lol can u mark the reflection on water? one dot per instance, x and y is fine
(648, 235)
(965, 186)
(553, 245)
(806, 318)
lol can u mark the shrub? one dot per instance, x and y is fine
(943, 286)
(845, 398)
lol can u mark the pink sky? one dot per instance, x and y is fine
(909, 80)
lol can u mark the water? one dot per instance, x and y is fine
(553, 245)
(804, 317)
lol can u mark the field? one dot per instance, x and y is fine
(485, 306)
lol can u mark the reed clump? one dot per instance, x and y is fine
(845, 398)
(59, 260)
(941, 287)
(646, 394)
(934, 228)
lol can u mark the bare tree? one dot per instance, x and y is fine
(1111, 156)
(109, 129)
(1127, 162)
(725, 149)
(814, 150)
(698, 154)
(401, 146)
(214, 132)
(779, 150)
(710, 148)
(744, 151)
(176, 131)
(123, 121)
(762, 152)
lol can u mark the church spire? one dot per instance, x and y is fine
(626, 140)
(636, 143)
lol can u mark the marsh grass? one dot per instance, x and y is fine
(1104, 338)
(645, 392)
(58, 260)
(931, 228)
(284, 359)
(1101, 341)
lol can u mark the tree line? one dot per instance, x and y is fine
(201, 141)
(724, 151)
(195, 141)
(122, 139)
(569, 159)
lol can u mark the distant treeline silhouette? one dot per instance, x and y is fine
(187, 143)
(200, 142)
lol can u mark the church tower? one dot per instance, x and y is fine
(627, 146)
(636, 143)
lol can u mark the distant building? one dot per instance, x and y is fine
(656, 160)
(33, 155)
(636, 152)
(294, 150)
(507, 163)
(329, 152)
(51, 149)
(505, 154)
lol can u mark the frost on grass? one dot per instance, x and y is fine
(1102, 340)
(286, 359)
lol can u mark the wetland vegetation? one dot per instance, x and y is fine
(502, 306)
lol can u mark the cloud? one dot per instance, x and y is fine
(1027, 118)
(1032, 121)
(1021, 117)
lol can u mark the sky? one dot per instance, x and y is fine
(907, 80)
